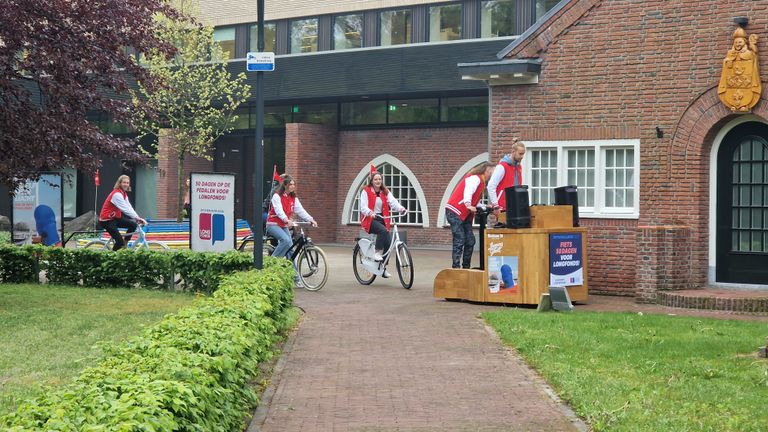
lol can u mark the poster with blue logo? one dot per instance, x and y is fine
(37, 211)
(566, 266)
(212, 222)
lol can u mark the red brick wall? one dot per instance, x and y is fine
(168, 178)
(611, 255)
(619, 69)
(312, 158)
(433, 155)
(666, 263)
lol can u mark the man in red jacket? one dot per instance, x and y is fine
(508, 173)
(117, 212)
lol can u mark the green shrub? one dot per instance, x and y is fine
(189, 372)
(193, 271)
(5, 237)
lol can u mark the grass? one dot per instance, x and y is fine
(5, 237)
(632, 372)
(48, 334)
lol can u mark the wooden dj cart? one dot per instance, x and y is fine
(520, 264)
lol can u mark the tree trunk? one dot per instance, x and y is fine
(182, 189)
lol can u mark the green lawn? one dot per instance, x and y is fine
(632, 372)
(48, 334)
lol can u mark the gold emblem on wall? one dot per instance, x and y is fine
(740, 86)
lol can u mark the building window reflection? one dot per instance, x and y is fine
(445, 23)
(396, 27)
(304, 35)
(225, 36)
(348, 31)
(497, 18)
(543, 6)
(270, 37)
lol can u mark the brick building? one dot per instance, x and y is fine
(673, 184)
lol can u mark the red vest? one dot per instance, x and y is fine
(110, 211)
(513, 175)
(366, 221)
(455, 203)
(288, 201)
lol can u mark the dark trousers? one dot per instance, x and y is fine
(112, 228)
(382, 235)
(463, 239)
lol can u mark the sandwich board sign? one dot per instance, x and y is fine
(260, 61)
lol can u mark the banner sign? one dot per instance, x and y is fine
(212, 222)
(37, 208)
(503, 274)
(566, 267)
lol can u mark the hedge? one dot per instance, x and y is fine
(189, 372)
(183, 270)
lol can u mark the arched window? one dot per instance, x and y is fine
(475, 161)
(400, 181)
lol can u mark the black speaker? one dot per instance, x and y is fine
(518, 211)
(568, 195)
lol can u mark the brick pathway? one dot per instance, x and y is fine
(380, 358)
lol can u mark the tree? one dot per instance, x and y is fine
(60, 59)
(196, 103)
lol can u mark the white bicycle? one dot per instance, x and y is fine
(366, 266)
(141, 242)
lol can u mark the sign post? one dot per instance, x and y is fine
(259, 62)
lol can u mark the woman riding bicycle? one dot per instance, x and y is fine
(284, 205)
(375, 205)
(117, 212)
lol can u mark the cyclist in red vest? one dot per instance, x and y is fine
(284, 205)
(460, 210)
(376, 202)
(117, 212)
(508, 173)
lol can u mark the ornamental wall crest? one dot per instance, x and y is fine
(740, 87)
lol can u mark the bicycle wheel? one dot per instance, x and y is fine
(312, 267)
(98, 244)
(361, 273)
(404, 266)
(247, 247)
(157, 246)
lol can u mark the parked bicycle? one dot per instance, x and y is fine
(308, 259)
(366, 267)
(141, 242)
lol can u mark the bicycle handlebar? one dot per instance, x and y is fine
(392, 216)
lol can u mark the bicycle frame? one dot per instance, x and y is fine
(377, 267)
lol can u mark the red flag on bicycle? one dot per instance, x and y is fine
(97, 179)
(275, 175)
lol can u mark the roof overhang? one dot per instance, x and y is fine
(503, 72)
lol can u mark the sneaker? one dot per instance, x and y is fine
(377, 256)
(299, 283)
(386, 274)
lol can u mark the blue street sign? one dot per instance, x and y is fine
(260, 61)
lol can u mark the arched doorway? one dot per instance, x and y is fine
(742, 210)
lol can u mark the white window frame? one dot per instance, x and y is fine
(599, 210)
(354, 190)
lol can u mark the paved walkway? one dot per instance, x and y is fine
(380, 358)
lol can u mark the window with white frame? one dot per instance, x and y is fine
(400, 187)
(606, 173)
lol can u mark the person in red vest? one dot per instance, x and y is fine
(376, 204)
(117, 212)
(460, 210)
(508, 173)
(284, 205)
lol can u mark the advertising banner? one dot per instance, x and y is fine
(212, 220)
(37, 208)
(503, 275)
(566, 266)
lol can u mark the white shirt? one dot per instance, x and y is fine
(391, 200)
(277, 205)
(124, 205)
(493, 183)
(470, 186)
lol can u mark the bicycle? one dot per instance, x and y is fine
(141, 242)
(308, 259)
(366, 267)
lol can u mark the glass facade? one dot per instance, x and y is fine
(396, 27)
(445, 23)
(413, 111)
(497, 18)
(363, 113)
(464, 109)
(270, 37)
(348, 31)
(315, 113)
(304, 35)
(225, 36)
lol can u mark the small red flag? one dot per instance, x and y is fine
(373, 170)
(97, 179)
(275, 176)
